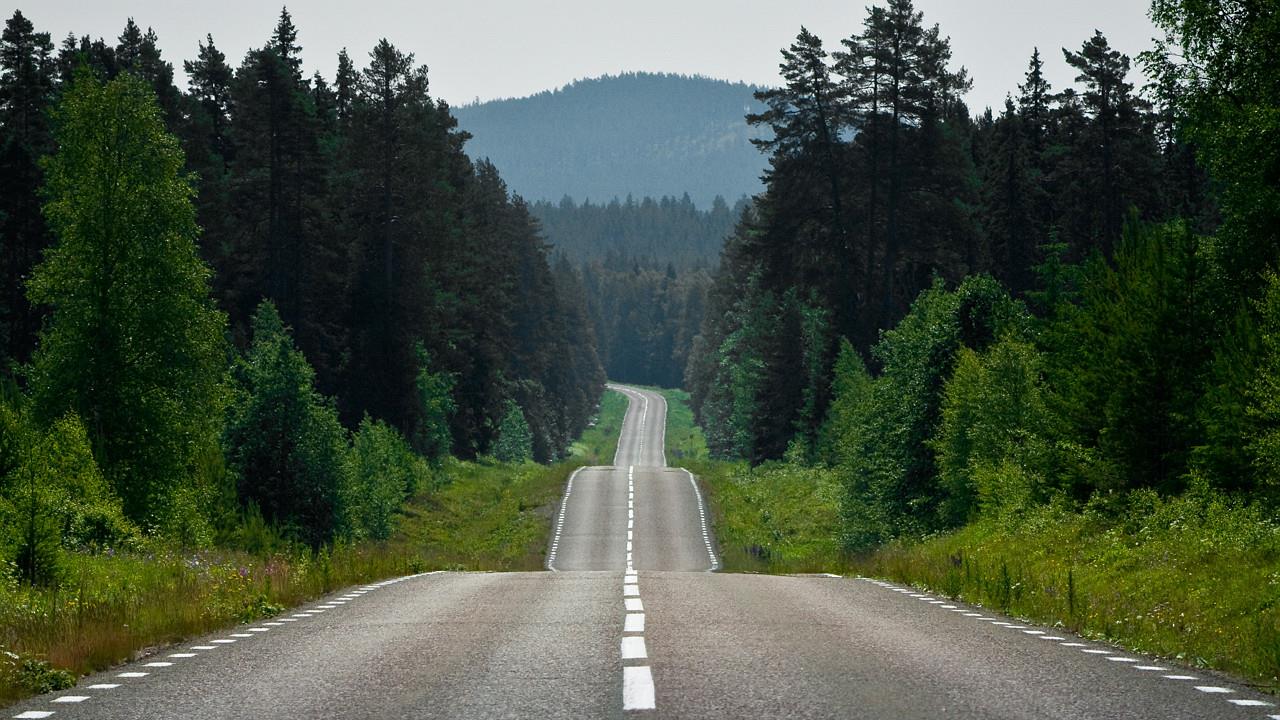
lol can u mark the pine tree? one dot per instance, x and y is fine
(1114, 158)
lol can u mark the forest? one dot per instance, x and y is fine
(1071, 302)
(646, 267)
(268, 298)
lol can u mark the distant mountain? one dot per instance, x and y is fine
(639, 134)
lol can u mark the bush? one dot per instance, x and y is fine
(1263, 394)
(514, 443)
(385, 472)
(52, 496)
(993, 432)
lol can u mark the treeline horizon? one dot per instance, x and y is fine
(259, 295)
(1072, 300)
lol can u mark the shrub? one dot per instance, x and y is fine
(514, 443)
(385, 472)
(52, 496)
(993, 430)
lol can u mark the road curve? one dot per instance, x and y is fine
(653, 635)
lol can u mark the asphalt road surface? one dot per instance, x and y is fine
(628, 622)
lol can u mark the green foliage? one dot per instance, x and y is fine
(53, 497)
(385, 473)
(684, 438)
(514, 442)
(1128, 363)
(644, 316)
(850, 388)
(890, 470)
(1218, 69)
(283, 438)
(134, 345)
(995, 433)
(1263, 392)
(431, 436)
(776, 517)
(599, 442)
(33, 676)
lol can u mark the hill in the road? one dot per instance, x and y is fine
(637, 134)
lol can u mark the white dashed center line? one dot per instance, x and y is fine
(633, 648)
(637, 688)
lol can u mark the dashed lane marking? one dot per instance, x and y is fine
(633, 648)
(634, 605)
(637, 688)
(70, 699)
(634, 623)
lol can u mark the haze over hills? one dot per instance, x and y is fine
(641, 134)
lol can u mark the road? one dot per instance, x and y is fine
(628, 622)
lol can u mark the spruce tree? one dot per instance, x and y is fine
(26, 88)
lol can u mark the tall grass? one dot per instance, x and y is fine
(599, 443)
(112, 607)
(684, 438)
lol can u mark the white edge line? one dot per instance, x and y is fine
(702, 515)
(564, 505)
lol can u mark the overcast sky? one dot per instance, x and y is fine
(488, 49)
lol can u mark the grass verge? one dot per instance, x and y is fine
(114, 607)
(1194, 578)
(599, 443)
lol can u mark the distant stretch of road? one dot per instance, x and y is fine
(629, 622)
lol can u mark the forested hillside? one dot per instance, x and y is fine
(1071, 302)
(269, 296)
(655, 231)
(638, 134)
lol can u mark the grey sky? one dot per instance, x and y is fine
(487, 49)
